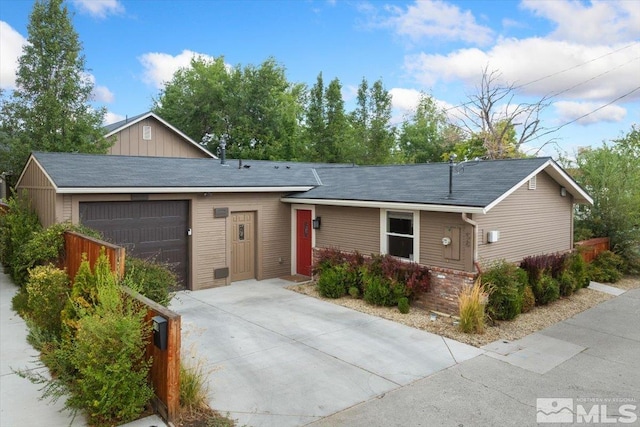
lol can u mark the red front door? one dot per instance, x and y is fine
(303, 242)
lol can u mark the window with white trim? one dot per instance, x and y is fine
(400, 234)
(146, 133)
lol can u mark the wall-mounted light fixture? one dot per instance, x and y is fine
(317, 221)
(563, 192)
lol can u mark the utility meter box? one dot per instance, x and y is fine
(160, 332)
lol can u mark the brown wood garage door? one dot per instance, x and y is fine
(147, 229)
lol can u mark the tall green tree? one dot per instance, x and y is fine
(373, 135)
(315, 120)
(255, 109)
(611, 174)
(426, 135)
(338, 147)
(49, 110)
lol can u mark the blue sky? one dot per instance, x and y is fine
(586, 52)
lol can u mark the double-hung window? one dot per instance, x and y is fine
(400, 234)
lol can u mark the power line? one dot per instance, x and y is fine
(575, 66)
(563, 71)
(588, 114)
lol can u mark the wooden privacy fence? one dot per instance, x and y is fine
(589, 249)
(76, 244)
(165, 366)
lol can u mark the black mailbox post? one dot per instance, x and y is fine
(160, 332)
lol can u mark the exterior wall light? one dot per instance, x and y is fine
(316, 222)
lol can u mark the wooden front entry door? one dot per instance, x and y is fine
(303, 242)
(242, 246)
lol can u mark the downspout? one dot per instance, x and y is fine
(473, 224)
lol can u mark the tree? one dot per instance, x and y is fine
(427, 135)
(254, 108)
(502, 125)
(611, 175)
(49, 109)
(373, 135)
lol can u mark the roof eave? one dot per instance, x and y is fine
(387, 205)
(161, 190)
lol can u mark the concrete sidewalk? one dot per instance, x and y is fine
(20, 403)
(600, 348)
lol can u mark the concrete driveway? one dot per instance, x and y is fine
(279, 358)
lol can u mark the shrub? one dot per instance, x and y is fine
(579, 270)
(16, 228)
(48, 291)
(538, 265)
(528, 300)
(379, 290)
(413, 277)
(566, 284)
(150, 279)
(354, 292)
(403, 305)
(507, 283)
(45, 246)
(332, 281)
(112, 374)
(20, 302)
(471, 304)
(545, 290)
(606, 267)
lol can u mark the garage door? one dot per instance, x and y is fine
(147, 229)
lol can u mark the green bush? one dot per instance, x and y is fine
(507, 283)
(528, 300)
(152, 280)
(579, 270)
(606, 267)
(566, 284)
(48, 292)
(332, 282)
(20, 302)
(379, 290)
(17, 227)
(354, 292)
(403, 305)
(546, 290)
(108, 354)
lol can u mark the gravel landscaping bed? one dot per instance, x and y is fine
(525, 324)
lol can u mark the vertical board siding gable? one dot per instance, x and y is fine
(41, 193)
(164, 142)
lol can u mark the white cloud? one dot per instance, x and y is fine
(431, 20)
(110, 118)
(103, 94)
(596, 22)
(568, 111)
(99, 8)
(538, 64)
(11, 43)
(405, 100)
(160, 67)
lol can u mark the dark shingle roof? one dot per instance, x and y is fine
(103, 171)
(475, 184)
(117, 125)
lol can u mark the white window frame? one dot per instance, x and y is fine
(384, 242)
(146, 133)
